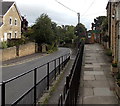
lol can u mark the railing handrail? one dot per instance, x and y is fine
(21, 75)
(72, 76)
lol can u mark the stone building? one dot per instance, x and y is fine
(113, 13)
(117, 17)
(10, 21)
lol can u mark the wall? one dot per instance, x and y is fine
(26, 49)
(0, 34)
(8, 53)
(22, 50)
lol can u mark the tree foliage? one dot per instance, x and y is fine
(42, 30)
(46, 31)
(80, 30)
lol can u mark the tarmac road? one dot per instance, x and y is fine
(18, 87)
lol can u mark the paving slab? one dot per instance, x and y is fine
(91, 66)
(100, 77)
(89, 77)
(93, 73)
(100, 100)
(103, 92)
(96, 84)
(88, 92)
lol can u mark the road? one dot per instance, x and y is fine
(18, 87)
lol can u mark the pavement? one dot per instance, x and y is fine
(97, 86)
(52, 96)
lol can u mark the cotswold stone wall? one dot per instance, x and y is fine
(22, 50)
(26, 49)
(8, 53)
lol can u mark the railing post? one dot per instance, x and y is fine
(55, 67)
(62, 63)
(35, 82)
(59, 65)
(47, 76)
(67, 83)
(3, 94)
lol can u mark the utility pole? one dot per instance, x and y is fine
(78, 17)
(78, 29)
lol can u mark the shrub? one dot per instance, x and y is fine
(118, 79)
(108, 52)
(4, 45)
(114, 64)
(118, 76)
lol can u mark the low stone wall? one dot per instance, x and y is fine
(27, 49)
(22, 50)
(8, 53)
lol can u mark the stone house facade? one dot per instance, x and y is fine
(113, 13)
(10, 21)
(117, 17)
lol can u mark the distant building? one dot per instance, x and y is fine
(90, 36)
(10, 21)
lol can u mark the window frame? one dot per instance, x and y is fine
(15, 22)
(10, 21)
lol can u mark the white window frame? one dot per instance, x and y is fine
(4, 37)
(10, 21)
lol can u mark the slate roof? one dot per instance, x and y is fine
(6, 6)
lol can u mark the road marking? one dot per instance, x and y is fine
(22, 62)
(25, 61)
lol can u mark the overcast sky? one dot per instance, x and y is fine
(88, 9)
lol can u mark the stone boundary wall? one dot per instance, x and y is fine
(27, 49)
(22, 50)
(8, 53)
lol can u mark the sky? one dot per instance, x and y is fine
(88, 9)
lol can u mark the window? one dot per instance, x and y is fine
(9, 35)
(15, 21)
(10, 21)
(15, 34)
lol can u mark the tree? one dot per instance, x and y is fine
(43, 32)
(80, 30)
(24, 25)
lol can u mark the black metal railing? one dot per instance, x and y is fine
(70, 91)
(32, 95)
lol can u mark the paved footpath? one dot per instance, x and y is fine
(97, 83)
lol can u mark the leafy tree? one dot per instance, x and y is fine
(99, 21)
(42, 30)
(80, 30)
(24, 25)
